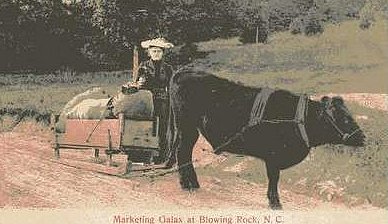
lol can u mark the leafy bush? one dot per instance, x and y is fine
(257, 34)
(283, 12)
(187, 54)
(313, 24)
(339, 10)
(367, 14)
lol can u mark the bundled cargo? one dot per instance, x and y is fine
(96, 104)
(138, 105)
(123, 124)
(93, 93)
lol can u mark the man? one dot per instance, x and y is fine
(154, 75)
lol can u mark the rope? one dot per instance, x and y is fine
(344, 136)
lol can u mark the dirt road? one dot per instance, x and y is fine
(33, 178)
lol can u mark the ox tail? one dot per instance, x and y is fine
(170, 135)
(172, 130)
(170, 155)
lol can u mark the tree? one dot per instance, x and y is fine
(253, 17)
(33, 30)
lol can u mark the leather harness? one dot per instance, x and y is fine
(256, 117)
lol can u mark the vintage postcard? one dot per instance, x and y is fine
(193, 111)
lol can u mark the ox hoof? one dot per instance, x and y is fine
(170, 164)
(275, 206)
(191, 187)
(190, 190)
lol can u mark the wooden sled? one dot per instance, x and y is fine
(136, 138)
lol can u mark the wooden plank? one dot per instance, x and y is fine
(122, 123)
(82, 147)
(139, 134)
(135, 64)
(78, 130)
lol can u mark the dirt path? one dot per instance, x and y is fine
(32, 177)
(369, 100)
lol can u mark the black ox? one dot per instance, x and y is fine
(277, 126)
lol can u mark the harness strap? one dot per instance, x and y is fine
(301, 114)
(259, 105)
(255, 118)
(257, 113)
(344, 136)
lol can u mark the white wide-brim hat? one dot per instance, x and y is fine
(157, 42)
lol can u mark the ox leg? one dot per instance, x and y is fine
(128, 167)
(185, 143)
(56, 146)
(184, 122)
(273, 174)
(96, 153)
(110, 159)
(56, 152)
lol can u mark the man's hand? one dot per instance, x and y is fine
(130, 87)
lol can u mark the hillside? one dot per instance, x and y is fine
(343, 59)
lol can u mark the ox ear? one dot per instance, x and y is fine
(326, 102)
(338, 101)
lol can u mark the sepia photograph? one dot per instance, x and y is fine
(193, 111)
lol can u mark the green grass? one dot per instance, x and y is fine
(343, 59)
(50, 92)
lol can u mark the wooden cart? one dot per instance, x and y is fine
(112, 136)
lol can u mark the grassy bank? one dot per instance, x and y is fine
(343, 59)
(50, 92)
(37, 96)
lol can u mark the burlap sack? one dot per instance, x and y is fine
(89, 109)
(92, 104)
(93, 93)
(137, 105)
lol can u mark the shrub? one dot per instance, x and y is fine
(250, 35)
(339, 10)
(313, 23)
(296, 26)
(255, 34)
(367, 14)
(365, 24)
(186, 54)
(309, 24)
